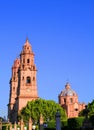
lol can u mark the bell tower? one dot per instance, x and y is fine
(27, 86)
(23, 83)
(13, 88)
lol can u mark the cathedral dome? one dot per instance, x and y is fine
(68, 91)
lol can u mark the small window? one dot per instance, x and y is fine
(76, 109)
(28, 80)
(71, 100)
(23, 66)
(64, 100)
(28, 60)
(23, 60)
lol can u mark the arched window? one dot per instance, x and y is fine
(23, 66)
(64, 100)
(23, 78)
(28, 60)
(28, 80)
(23, 60)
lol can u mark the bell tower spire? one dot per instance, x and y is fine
(27, 83)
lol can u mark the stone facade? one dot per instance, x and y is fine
(23, 83)
(68, 99)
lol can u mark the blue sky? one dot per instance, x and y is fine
(62, 36)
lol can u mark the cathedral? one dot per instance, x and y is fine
(23, 82)
(23, 87)
(68, 99)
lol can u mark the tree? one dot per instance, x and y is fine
(90, 107)
(47, 108)
(75, 123)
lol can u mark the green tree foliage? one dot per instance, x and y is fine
(75, 123)
(47, 108)
(92, 120)
(90, 107)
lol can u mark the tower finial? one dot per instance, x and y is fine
(26, 38)
(27, 42)
(67, 80)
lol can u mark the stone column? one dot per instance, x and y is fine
(30, 124)
(22, 124)
(58, 123)
(0, 124)
(41, 122)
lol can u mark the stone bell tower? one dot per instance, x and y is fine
(23, 84)
(27, 86)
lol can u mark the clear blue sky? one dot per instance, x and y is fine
(62, 36)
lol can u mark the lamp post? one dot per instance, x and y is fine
(25, 128)
(0, 124)
(41, 122)
(33, 127)
(18, 128)
(58, 123)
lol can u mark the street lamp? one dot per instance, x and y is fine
(18, 128)
(58, 123)
(25, 128)
(34, 127)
